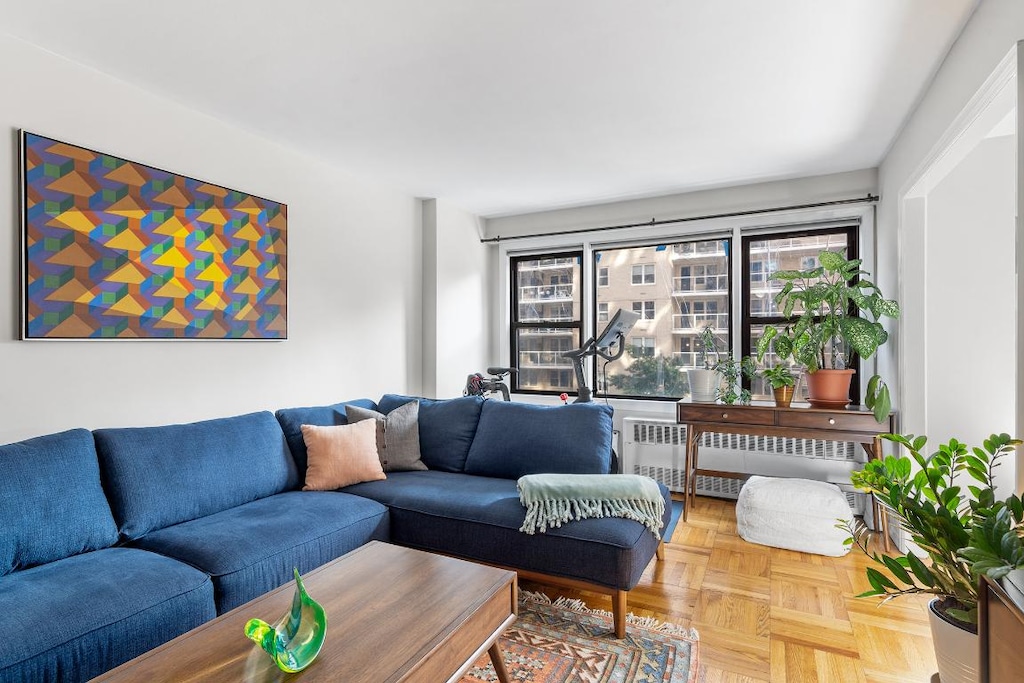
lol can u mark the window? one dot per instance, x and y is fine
(762, 256)
(700, 280)
(642, 346)
(645, 309)
(643, 274)
(656, 358)
(547, 321)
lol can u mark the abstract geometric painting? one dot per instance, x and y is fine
(113, 249)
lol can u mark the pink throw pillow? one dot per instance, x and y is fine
(340, 456)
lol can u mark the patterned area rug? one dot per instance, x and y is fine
(564, 642)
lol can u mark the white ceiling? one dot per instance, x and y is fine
(511, 106)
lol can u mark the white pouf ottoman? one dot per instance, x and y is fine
(795, 514)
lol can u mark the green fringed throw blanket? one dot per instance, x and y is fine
(551, 499)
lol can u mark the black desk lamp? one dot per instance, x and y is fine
(614, 334)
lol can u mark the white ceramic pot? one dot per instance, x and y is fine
(956, 649)
(704, 385)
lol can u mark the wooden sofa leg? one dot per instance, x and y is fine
(661, 550)
(619, 613)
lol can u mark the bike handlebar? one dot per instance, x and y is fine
(501, 371)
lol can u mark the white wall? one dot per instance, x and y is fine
(353, 285)
(456, 291)
(969, 309)
(703, 202)
(990, 34)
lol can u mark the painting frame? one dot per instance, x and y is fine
(115, 249)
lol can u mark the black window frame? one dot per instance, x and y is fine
(517, 325)
(748, 321)
(587, 324)
(668, 242)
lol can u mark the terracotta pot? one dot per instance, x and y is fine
(829, 388)
(956, 649)
(783, 396)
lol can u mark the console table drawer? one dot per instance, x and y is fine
(688, 412)
(831, 419)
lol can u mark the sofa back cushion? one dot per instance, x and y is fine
(292, 419)
(160, 476)
(51, 502)
(447, 428)
(515, 439)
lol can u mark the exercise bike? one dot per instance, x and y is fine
(478, 385)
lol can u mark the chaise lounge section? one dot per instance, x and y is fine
(467, 503)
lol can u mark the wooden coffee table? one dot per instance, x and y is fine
(393, 614)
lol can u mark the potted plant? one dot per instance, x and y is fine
(730, 371)
(997, 541)
(704, 379)
(783, 383)
(825, 336)
(941, 517)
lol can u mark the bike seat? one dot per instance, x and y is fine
(500, 371)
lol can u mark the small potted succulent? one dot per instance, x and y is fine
(705, 379)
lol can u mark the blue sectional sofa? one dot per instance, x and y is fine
(118, 540)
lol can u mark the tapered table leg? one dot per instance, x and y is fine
(498, 662)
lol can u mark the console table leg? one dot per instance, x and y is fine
(692, 440)
(661, 550)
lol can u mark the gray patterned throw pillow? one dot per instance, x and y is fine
(398, 435)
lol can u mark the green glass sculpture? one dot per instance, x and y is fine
(295, 640)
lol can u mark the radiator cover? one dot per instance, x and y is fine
(657, 449)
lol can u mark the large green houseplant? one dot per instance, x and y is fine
(942, 515)
(824, 333)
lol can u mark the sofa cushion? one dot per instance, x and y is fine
(251, 549)
(292, 419)
(51, 501)
(447, 427)
(341, 455)
(159, 476)
(398, 436)
(75, 618)
(478, 518)
(514, 439)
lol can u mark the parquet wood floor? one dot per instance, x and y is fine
(766, 614)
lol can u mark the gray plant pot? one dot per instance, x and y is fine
(704, 385)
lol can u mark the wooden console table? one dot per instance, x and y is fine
(855, 425)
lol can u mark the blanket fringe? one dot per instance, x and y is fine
(576, 605)
(542, 514)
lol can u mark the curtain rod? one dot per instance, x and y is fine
(870, 198)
